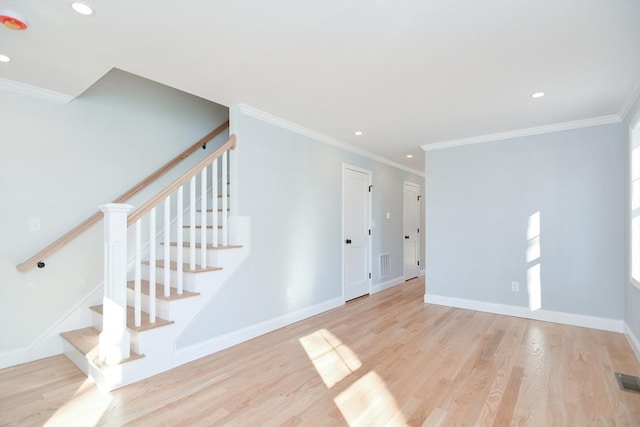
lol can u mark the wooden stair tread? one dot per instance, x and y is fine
(185, 267)
(160, 291)
(209, 245)
(86, 341)
(199, 226)
(145, 325)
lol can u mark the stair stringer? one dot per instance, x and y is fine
(159, 345)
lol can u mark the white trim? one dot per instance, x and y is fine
(34, 91)
(632, 339)
(421, 273)
(205, 348)
(635, 121)
(596, 121)
(633, 97)
(593, 322)
(49, 343)
(633, 124)
(423, 238)
(386, 285)
(269, 118)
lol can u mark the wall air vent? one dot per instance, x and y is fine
(628, 382)
(385, 266)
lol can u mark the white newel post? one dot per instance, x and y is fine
(114, 339)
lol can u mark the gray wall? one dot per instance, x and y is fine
(290, 185)
(479, 201)
(632, 313)
(58, 163)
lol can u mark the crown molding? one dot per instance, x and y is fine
(269, 118)
(602, 120)
(631, 100)
(34, 91)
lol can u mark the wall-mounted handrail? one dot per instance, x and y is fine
(155, 200)
(80, 228)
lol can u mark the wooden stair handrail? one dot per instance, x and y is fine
(80, 228)
(155, 200)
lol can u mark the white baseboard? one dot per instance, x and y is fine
(49, 343)
(593, 322)
(205, 348)
(386, 285)
(633, 340)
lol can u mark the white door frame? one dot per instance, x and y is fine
(370, 219)
(418, 246)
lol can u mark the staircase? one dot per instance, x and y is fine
(154, 292)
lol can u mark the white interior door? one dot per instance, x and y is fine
(356, 232)
(411, 214)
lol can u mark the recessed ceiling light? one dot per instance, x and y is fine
(4, 58)
(358, 133)
(82, 8)
(409, 156)
(537, 94)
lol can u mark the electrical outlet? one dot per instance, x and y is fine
(34, 224)
(515, 286)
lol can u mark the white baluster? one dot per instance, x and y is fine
(225, 200)
(152, 266)
(137, 282)
(214, 202)
(192, 224)
(114, 343)
(203, 218)
(167, 246)
(179, 244)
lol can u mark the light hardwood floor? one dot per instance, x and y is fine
(388, 359)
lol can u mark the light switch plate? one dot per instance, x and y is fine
(34, 224)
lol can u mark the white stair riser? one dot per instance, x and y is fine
(215, 257)
(107, 378)
(96, 320)
(188, 279)
(191, 281)
(169, 310)
(151, 340)
(76, 357)
(217, 205)
(143, 342)
(209, 218)
(186, 235)
(163, 308)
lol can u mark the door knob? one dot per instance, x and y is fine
(348, 241)
(406, 237)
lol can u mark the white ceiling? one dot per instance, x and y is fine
(404, 73)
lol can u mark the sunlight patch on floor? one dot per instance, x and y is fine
(333, 360)
(368, 402)
(84, 408)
